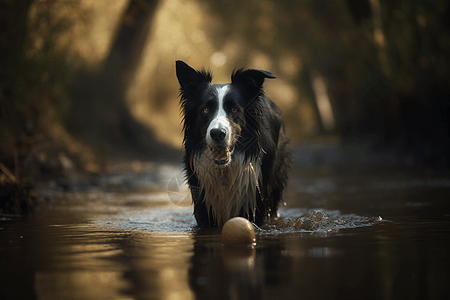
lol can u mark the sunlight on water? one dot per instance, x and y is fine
(171, 220)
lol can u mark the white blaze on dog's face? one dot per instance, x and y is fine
(219, 132)
(219, 122)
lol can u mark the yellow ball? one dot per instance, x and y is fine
(238, 231)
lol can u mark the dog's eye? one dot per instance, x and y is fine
(234, 110)
(206, 110)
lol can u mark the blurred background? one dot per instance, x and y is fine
(83, 79)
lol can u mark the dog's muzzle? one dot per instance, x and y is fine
(221, 154)
(218, 135)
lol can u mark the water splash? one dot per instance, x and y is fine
(181, 220)
(317, 220)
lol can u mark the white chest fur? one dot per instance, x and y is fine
(228, 189)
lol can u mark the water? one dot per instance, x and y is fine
(132, 236)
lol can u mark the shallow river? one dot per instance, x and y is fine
(132, 236)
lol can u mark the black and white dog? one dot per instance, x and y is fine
(236, 159)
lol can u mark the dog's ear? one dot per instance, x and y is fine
(252, 80)
(191, 80)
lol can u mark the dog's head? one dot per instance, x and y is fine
(224, 116)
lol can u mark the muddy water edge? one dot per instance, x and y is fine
(131, 235)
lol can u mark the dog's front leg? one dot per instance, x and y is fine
(202, 216)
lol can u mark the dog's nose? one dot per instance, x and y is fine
(218, 134)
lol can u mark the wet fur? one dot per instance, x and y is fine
(251, 183)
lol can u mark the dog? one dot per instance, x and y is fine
(236, 158)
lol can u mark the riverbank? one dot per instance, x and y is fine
(29, 159)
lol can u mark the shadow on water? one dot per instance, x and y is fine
(112, 237)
